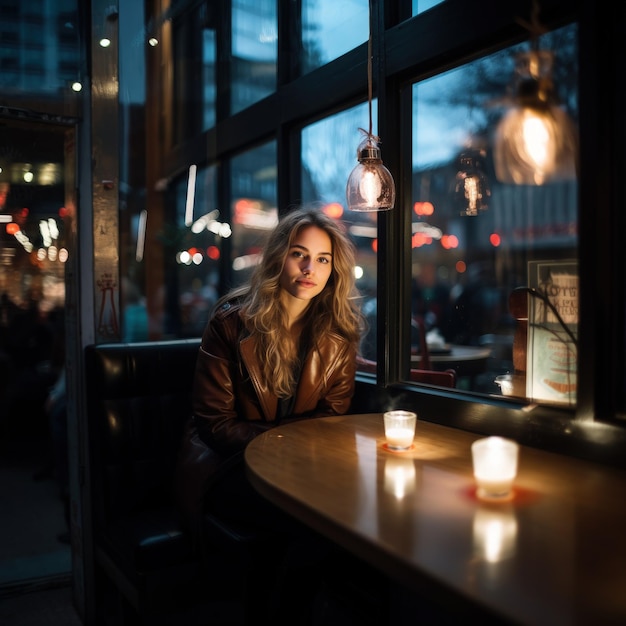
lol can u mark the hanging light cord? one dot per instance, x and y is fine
(370, 90)
(534, 27)
(369, 70)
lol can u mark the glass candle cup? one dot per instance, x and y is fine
(495, 466)
(399, 429)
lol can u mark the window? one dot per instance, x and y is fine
(209, 93)
(330, 29)
(419, 6)
(194, 75)
(466, 267)
(254, 210)
(201, 232)
(254, 51)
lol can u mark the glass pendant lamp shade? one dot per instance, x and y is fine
(471, 191)
(536, 141)
(370, 184)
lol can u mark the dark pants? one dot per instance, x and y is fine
(287, 564)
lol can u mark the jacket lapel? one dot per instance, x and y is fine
(310, 381)
(267, 400)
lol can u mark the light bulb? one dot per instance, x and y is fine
(370, 184)
(535, 142)
(472, 187)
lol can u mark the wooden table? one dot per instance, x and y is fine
(554, 554)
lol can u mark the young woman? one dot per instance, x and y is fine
(279, 349)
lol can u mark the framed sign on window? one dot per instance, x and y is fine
(552, 331)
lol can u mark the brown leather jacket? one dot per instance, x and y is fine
(231, 405)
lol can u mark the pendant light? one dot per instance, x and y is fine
(536, 141)
(471, 190)
(370, 185)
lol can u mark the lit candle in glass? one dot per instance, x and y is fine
(495, 466)
(399, 429)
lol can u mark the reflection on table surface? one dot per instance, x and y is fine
(553, 554)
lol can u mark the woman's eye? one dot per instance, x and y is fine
(324, 260)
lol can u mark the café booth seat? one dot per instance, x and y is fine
(146, 568)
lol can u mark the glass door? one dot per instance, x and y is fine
(35, 225)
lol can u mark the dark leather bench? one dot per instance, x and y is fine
(138, 400)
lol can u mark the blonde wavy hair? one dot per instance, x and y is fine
(336, 309)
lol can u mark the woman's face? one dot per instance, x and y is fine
(308, 265)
